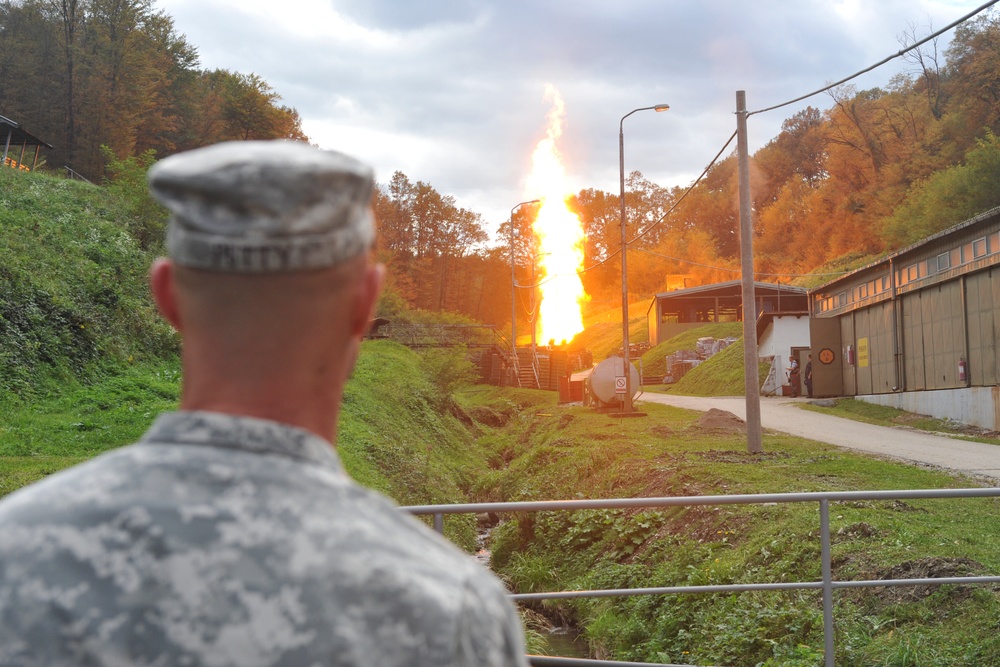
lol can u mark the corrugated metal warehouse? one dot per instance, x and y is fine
(918, 329)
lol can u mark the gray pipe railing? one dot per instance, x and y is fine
(826, 584)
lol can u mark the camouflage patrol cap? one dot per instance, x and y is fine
(264, 206)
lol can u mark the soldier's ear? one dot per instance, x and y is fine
(371, 287)
(161, 284)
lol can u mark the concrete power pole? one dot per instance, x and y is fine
(750, 368)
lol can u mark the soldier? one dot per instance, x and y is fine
(230, 534)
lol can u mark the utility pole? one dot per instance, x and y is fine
(750, 361)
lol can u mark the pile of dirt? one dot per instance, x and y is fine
(720, 421)
(925, 568)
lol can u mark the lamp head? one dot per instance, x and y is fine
(661, 107)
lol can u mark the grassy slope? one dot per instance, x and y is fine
(549, 452)
(654, 361)
(73, 294)
(398, 434)
(719, 375)
(603, 333)
(86, 364)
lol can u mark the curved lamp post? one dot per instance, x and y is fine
(627, 404)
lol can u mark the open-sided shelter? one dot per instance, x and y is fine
(14, 138)
(674, 312)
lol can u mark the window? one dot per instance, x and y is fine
(911, 272)
(943, 262)
(979, 248)
(842, 299)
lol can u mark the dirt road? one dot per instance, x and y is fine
(781, 414)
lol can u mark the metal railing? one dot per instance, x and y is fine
(827, 585)
(75, 175)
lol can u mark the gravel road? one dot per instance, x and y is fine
(781, 414)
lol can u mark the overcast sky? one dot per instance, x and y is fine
(451, 92)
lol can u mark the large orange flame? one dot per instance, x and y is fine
(559, 234)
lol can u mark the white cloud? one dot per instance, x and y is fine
(450, 91)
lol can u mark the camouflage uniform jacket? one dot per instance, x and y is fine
(220, 540)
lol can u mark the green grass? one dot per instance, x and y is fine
(547, 451)
(881, 415)
(399, 434)
(654, 361)
(721, 374)
(73, 294)
(603, 333)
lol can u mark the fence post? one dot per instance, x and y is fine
(824, 534)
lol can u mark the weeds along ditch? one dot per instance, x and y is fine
(538, 450)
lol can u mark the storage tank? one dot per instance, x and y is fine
(601, 381)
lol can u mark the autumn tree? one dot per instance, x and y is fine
(89, 73)
(430, 245)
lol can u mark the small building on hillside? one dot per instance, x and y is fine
(918, 329)
(676, 311)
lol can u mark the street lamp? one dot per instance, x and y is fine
(513, 283)
(626, 366)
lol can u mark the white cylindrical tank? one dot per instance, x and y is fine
(602, 379)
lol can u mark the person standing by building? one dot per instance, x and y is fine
(809, 376)
(794, 379)
(230, 534)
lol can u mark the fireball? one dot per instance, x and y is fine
(559, 235)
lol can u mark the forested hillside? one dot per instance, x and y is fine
(85, 73)
(860, 173)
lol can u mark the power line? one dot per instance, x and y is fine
(881, 62)
(692, 186)
(669, 210)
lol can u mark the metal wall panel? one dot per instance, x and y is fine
(873, 330)
(944, 333)
(978, 356)
(827, 351)
(913, 342)
(847, 367)
(883, 363)
(982, 293)
(863, 358)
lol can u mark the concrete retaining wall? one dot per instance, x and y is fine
(976, 406)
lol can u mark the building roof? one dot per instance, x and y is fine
(727, 287)
(18, 136)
